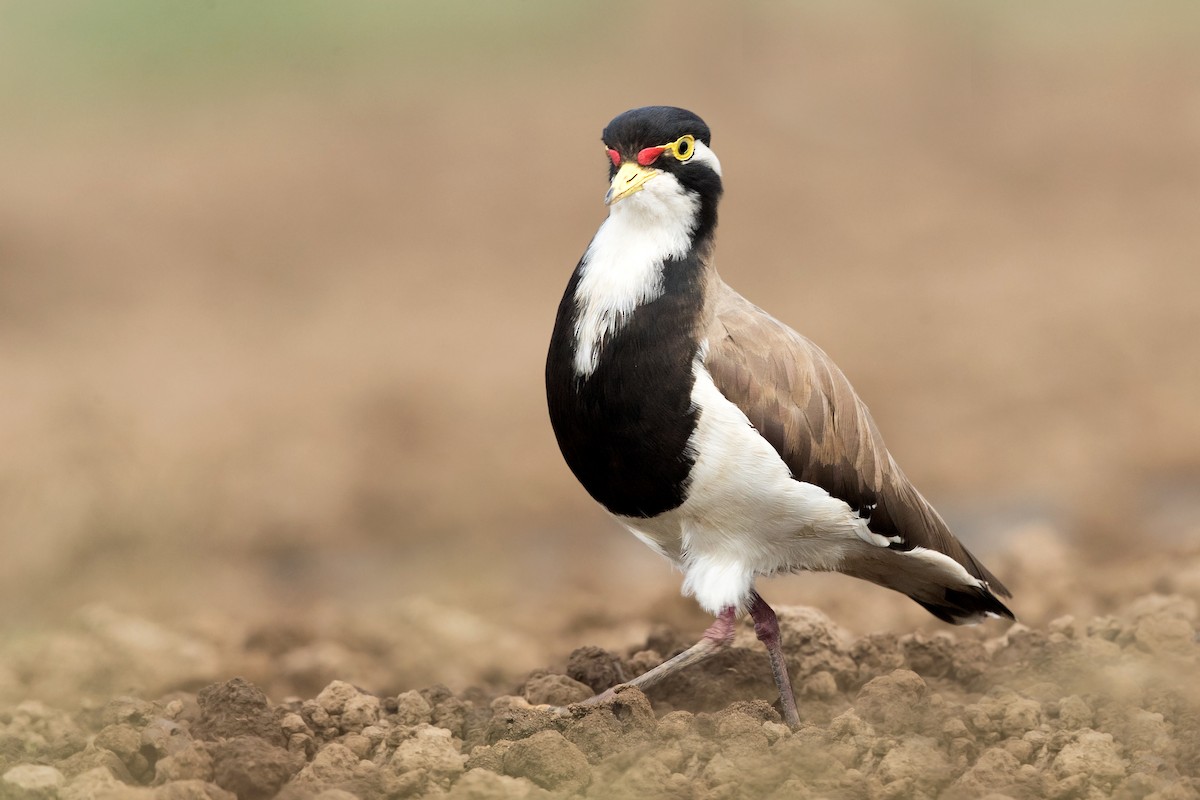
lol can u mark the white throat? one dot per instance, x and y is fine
(622, 268)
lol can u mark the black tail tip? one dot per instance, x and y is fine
(967, 606)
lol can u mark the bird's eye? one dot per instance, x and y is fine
(614, 157)
(683, 147)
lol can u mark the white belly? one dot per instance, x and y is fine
(745, 515)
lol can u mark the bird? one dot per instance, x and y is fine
(721, 438)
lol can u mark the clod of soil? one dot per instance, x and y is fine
(1104, 709)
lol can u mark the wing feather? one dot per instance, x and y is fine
(801, 403)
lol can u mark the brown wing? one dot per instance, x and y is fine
(801, 403)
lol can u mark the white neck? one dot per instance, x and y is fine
(622, 268)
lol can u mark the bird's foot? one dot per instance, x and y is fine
(595, 700)
(718, 637)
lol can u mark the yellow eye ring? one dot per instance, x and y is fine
(683, 147)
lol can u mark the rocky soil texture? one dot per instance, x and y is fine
(1102, 708)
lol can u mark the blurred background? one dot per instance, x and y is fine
(276, 282)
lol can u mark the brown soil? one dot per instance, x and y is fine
(1097, 708)
(274, 301)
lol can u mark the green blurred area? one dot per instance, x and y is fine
(81, 52)
(76, 55)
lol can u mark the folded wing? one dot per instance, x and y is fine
(802, 404)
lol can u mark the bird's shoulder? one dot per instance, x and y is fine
(793, 393)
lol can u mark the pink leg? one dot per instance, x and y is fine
(766, 625)
(717, 638)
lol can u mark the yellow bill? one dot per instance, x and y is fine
(630, 178)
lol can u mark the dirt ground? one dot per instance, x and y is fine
(1099, 707)
(281, 513)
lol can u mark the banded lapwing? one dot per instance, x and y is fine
(724, 440)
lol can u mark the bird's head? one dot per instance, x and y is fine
(660, 158)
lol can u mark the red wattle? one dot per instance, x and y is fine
(650, 155)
